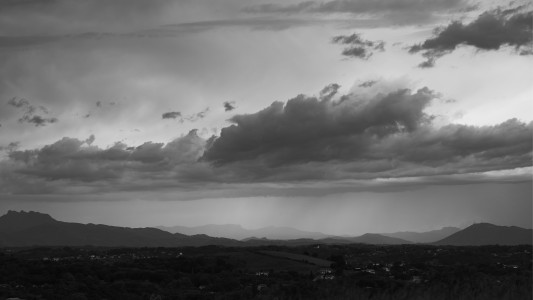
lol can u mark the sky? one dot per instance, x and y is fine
(339, 116)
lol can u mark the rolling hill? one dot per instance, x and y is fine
(488, 234)
(424, 237)
(20, 229)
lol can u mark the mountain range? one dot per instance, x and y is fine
(23, 229)
(238, 232)
(20, 229)
(424, 237)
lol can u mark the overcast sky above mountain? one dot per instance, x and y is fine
(340, 116)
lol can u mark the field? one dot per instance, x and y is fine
(258, 261)
(298, 257)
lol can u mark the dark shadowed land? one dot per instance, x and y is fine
(43, 258)
(268, 272)
(24, 229)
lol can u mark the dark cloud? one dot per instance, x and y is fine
(357, 47)
(229, 105)
(324, 129)
(37, 120)
(399, 11)
(386, 136)
(171, 115)
(329, 91)
(490, 31)
(18, 102)
(305, 140)
(368, 83)
(181, 118)
(90, 139)
(75, 160)
(31, 113)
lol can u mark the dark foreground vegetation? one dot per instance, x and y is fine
(269, 272)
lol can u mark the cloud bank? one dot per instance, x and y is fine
(331, 138)
(388, 135)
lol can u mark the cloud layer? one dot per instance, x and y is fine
(402, 11)
(330, 137)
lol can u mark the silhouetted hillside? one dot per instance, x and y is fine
(37, 229)
(424, 237)
(489, 234)
(238, 232)
(15, 221)
(377, 239)
(368, 238)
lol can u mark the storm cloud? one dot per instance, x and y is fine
(307, 139)
(389, 135)
(490, 31)
(78, 162)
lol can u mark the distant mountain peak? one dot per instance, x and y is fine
(19, 220)
(489, 234)
(29, 215)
